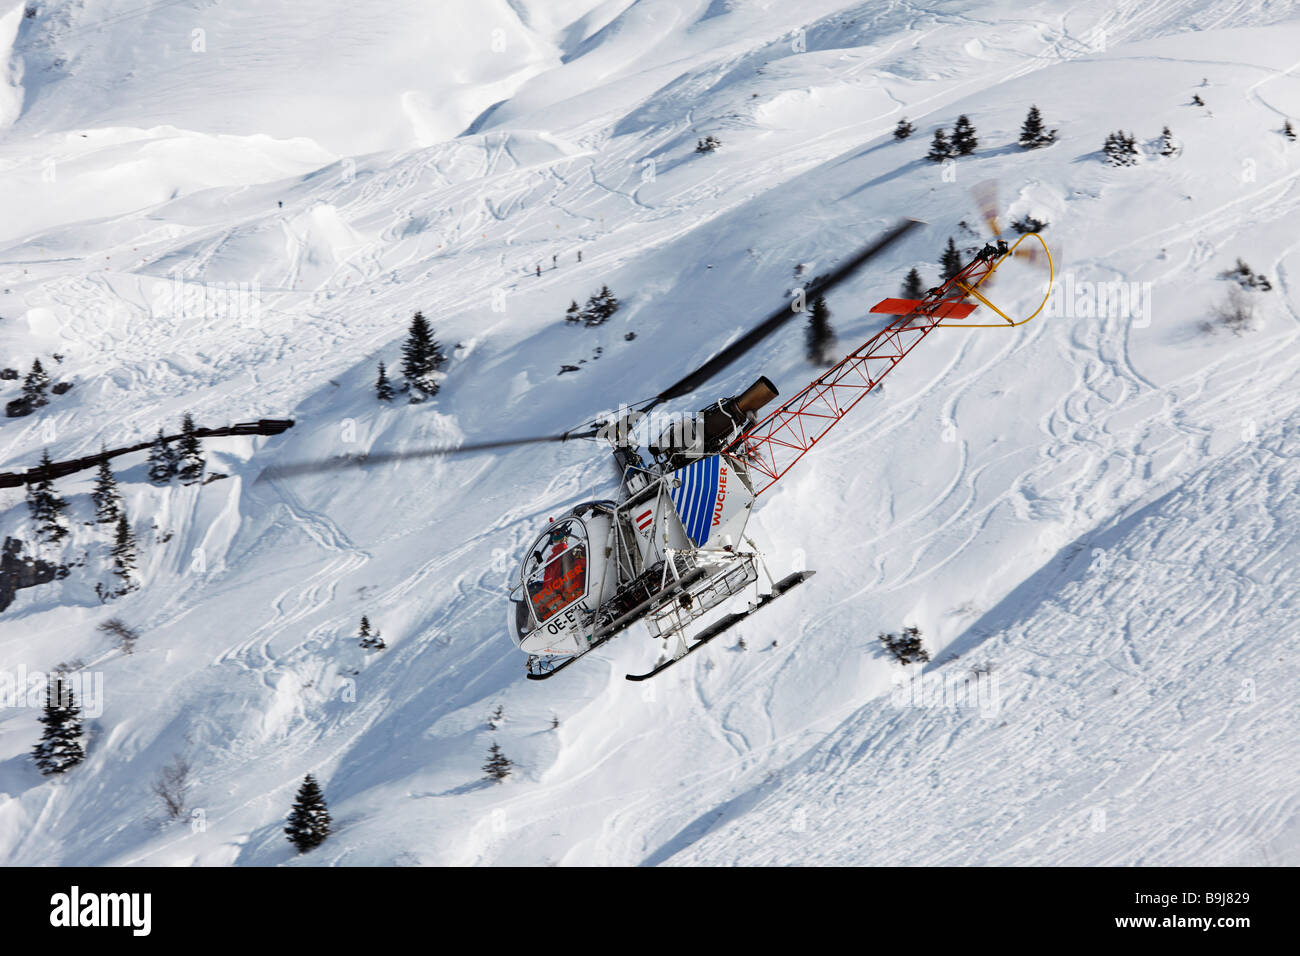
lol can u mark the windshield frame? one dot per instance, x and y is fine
(519, 591)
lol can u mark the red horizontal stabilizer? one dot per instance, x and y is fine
(945, 310)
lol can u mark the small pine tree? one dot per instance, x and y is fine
(1111, 149)
(940, 148)
(904, 129)
(819, 335)
(309, 820)
(1130, 148)
(950, 261)
(906, 648)
(1032, 134)
(1196, 100)
(162, 461)
(573, 315)
(60, 746)
(963, 136)
(190, 463)
(600, 306)
(1167, 146)
(555, 722)
(1288, 130)
(1031, 129)
(608, 304)
(498, 766)
(1120, 149)
(46, 507)
(383, 387)
(124, 553)
(913, 287)
(35, 384)
(1028, 223)
(421, 357)
(498, 716)
(105, 495)
(370, 640)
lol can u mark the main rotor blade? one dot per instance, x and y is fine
(385, 457)
(781, 316)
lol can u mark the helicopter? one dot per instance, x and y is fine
(672, 547)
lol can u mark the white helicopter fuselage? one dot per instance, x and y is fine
(671, 548)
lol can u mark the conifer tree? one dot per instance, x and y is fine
(1120, 149)
(963, 136)
(608, 304)
(162, 461)
(35, 384)
(950, 261)
(940, 148)
(1288, 130)
(819, 335)
(600, 306)
(1033, 134)
(573, 315)
(1112, 149)
(46, 507)
(105, 495)
(190, 464)
(421, 357)
(1028, 223)
(124, 552)
(383, 387)
(1167, 146)
(369, 640)
(498, 766)
(904, 129)
(309, 820)
(60, 747)
(913, 288)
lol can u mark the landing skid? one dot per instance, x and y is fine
(540, 668)
(731, 620)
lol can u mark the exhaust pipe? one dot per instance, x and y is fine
(757, 395)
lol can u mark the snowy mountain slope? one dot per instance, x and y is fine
(1143, 695)
(986, 458)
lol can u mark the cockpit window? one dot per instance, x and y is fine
(555, 573)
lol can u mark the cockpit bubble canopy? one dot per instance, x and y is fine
(555, 570)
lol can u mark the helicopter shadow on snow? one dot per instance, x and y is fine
(920, 163)
(472, 786)
(1071, 563)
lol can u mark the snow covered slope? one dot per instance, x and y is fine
(1097, 507)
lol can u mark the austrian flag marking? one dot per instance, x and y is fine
(644, 519)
